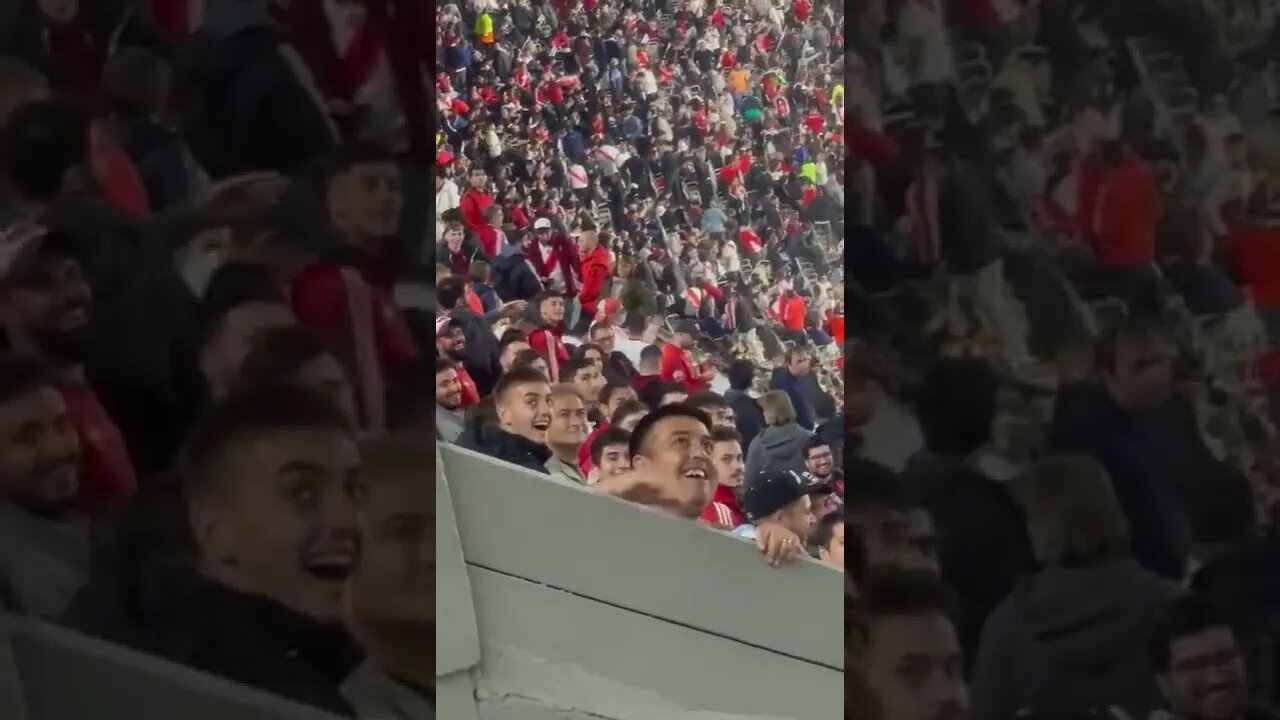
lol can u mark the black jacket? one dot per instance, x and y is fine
(747, 414)
(513, 278)
(618, 368)
(162, 159)
(244, 107)
(502, 445)
(480, 354)
(249, 639)
(983, 545)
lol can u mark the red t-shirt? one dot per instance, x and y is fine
(107, 476)
(675, 367)
(723, 510)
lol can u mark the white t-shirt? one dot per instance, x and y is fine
(921, 21)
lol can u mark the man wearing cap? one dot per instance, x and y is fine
(450, 342)
(47, 308)
(676, 366)
(780, 497)
(555, 259)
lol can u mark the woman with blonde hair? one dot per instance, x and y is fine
(1073, 635)
(780, 446)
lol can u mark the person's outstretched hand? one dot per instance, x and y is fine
(779, 545)
(512, 309)
(235, 196)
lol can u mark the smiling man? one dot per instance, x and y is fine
(1199, 666)
(567, 432)
(271, 478)
(46, 306)
(522, 399)
(44, 542)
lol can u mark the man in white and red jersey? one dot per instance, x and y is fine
(723, 512)
(676, 366)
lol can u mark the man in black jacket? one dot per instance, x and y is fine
(746, 410)
(269, 484)
(617, 366)
(522, 399)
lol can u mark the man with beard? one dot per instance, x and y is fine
(911, 654)
(450, 344)
(522, 400)
(44, 542)
(545, 340)
(449, 417)
(566, 434)
(392, 590)
(671, 450)
(820, 461)
(617, 367)
(481, 353)
(723, 511)
(46, 304)
(1199, 665)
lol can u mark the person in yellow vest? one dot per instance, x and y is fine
(484, 29)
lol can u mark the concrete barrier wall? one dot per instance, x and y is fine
(47, 673)
(587, 607)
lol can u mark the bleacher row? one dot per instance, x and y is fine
(47, 673)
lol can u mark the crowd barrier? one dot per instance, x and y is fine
(47, 673)
(554, 602)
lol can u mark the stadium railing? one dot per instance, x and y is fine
(554, 601)
(48, 673)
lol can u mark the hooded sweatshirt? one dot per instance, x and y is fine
(1078, 634)
(780, 447)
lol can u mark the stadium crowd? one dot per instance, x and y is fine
(639, 276)
(1061, 261)
(205, 211)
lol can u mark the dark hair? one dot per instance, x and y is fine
(478, 271)
(252, 414)
(513, 377)
(1185, 615)
(653, 393)
(1131, 327)
(872, 486)
(411, 397)
(815, 441)
(348, 156)
(723, 434)
(740, 374)
(583, 348)
(40, 143)
(450, 292)
(706, 400)
(525, 359)
(599, 326)
(610, 436)
(627, 407)
(644, 428)
(822, 533)
(610, 389)
(957, 405)
(134, 81)
(20, 376)
(570, 368)
(892, 591)
(277, 355)
(824, 406)
(233, 285)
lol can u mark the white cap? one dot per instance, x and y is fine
(542, 224)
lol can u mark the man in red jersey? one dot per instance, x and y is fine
(475, 199)
(676, 366)
(545, 340)
(723, 511)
